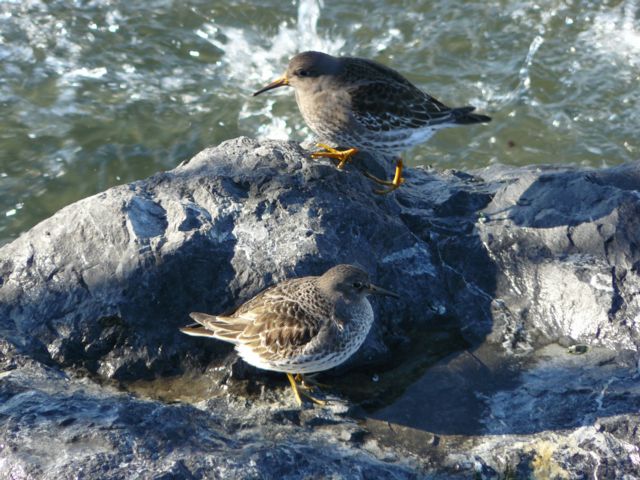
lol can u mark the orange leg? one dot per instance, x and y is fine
(343, 156)
(398, 180)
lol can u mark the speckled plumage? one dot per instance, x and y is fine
(360, 103)
(300, 325)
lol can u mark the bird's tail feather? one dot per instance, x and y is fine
(463, 116)
(213, 326)
(196, 330)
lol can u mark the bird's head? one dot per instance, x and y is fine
(303, 68)
(350, 282)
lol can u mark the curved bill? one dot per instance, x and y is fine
(280, 82)
(381, 291)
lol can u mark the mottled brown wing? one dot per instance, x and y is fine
(385, 106)
(282, 325)
(279, 323)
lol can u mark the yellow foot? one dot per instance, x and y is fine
(343, 156)
(296, 392)
(315, 400)
(308, 382)
(398, 180)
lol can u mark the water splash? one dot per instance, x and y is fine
(267, 60)
(307, 29)
(524, 76)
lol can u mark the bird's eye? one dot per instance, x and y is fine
(357, 285)
(303, 73)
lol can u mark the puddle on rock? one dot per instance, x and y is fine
(370, 388)
(191, 387)
(375, 388)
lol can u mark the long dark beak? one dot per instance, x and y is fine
(280, 82)
(373, 289)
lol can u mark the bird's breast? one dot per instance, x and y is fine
(356, 327)
(326, 112)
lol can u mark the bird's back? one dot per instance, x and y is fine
(390, 114)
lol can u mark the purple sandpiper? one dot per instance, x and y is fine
(299, 326)
(364, 105)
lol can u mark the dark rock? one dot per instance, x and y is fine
(565, 248)
(109, 293)
(501, 271)
(114, 435)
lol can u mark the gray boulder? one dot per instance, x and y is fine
(503, 272)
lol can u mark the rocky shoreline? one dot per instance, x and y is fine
(513, 351)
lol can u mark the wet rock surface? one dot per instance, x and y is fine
(513, 351)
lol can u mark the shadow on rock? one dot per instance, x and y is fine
(553, 197)
(479, 393)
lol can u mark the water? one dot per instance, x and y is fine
(99, 93)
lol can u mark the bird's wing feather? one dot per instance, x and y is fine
(375, 104)
(282, 325)
(214, 326)
(271, 323)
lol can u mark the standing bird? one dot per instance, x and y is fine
(367, 106)
(301, 325)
